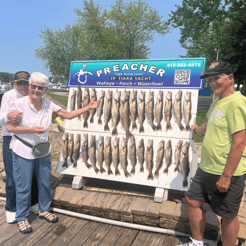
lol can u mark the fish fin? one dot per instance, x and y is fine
(117, 172)
(154, 127)
(88, 165)
(85, 124)
(188, 127)
(110, 171)
(133, 171)
(106, 127)
(134, 126)
(165, 171)
(147, 166)
(102, 170)
(150, 177)
(75, 164)
(115, 132)
(185, 183)
(92, 120)
(127, 174)
(176, 169)
(181, 127)
(141, 169)
(159, 127)
(157, 173)
(71, 159)
(100, 121)
(141, 129)
(65, 164)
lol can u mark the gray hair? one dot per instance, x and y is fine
(41, 78)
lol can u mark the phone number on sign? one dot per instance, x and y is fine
(184, 65)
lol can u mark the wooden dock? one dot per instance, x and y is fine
(74, 231)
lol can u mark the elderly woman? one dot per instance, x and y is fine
(36, 118)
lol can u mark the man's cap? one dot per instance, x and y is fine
(21, 75)
(218, 67)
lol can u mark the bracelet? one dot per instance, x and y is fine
(195, 131)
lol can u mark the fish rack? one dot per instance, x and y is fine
(171, 180)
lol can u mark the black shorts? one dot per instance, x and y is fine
(203, 188)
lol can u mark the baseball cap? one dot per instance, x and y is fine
(21, 76)
(218, 67)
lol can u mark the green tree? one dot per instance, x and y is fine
(6, 77)
(121, 32)
(208, 24)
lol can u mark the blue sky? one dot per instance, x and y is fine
(21, 22)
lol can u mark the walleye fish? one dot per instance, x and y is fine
(107, 110)
(141, 111)
(150, 110)
(184, 163)
(79, 99)
(132, 153)
(86, 102)
(134, 109)
(125, 113)
(76, 150)
(108, 154)
(100, 153)
(141, 154)
(177, 154)
(92, 153)
(123, 157)
(70, 147)
(187, 109)
(116, 155)
(84, 150)
(65, 148)
(93, 111)
(100, 108)
(116, 112)
(72, 100)
(159, 110)
(149, 158)
(177, 109)
(169, 153)
(168, 110)
(159, 157)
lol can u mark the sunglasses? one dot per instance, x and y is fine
(22, 83)
(35, 86)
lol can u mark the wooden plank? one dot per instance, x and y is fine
(39, 233)
(127, 237)
(126, 204)
(101, 201)
(69, 234)
(112, 236)
(78, 198)
(67, 196)
(97, 236)
(2, 212)
(53, 234)
(2, 219)
(139, 205)
(168, 241)
(5, 226)
(84, 234)
(156, 239)
(90, 199)
(142, 239)
(114, 203)
(19, 237)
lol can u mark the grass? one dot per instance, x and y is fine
(63, 100)
(200, 119)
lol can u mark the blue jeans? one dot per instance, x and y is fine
(10, 184)
(23, 172)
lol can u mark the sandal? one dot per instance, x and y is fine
(48, 216)
(24, 226)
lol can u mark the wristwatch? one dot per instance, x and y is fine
(195, 131)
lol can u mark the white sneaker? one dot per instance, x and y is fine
(10, 217)
(35, 208)
(192, 243)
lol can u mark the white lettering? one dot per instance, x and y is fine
(160, 72)
(152, 69)
(99, 72)
(142, 67)
(134, 66)
(107, 70)
(125, 67)
(116, 68)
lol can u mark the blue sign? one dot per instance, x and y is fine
(146, 74)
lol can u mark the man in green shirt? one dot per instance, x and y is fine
(220, 178)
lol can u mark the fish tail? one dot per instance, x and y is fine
(87, 165)
(181, 127)
(134, 126)
(176, 169)
(159, 127)
(75, 164)
(71, 159)
(150, 176)
(128, 135)
(65, 163)
(187, 127)
(156, 173)
(85, 124)
(166, 170)
(141, 169)
(92, 119)
(185, 183)
(109, 171)
(133, 171)
(127, 174)
(100, 121)
(96, 170)
(115, 132)
(102, 170)
(117, 172)
(168, 126)
(141, 129)
(153, 127)
(106, 127)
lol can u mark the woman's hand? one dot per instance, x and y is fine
(38, 129)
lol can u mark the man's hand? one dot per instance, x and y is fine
(193, 127)
(94, 104)
(223, 183)
(15, 117)
(38, 129)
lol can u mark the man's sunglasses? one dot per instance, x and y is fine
(22, 82)
(35, 86)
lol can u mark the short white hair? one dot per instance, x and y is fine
(38, 77)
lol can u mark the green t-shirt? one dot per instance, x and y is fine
(225, 117)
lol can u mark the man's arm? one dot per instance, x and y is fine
(13, 128)
(69, 115)
(200, 129)
(236, 152)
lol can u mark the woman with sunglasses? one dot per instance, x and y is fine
(36, 118)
